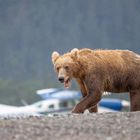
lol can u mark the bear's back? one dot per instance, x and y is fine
(115, 58)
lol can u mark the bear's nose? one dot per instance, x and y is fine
(61, 79)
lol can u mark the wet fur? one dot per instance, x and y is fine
(97, 71)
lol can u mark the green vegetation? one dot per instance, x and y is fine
(13, 93)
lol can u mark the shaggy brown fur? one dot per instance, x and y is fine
(97, 71)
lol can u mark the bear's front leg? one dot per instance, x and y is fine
(82, 86)
(93, 109)
(84, 92)
(90, 100)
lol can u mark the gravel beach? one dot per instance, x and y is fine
(104, 126)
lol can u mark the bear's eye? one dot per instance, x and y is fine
(57, 68)
(66, 67)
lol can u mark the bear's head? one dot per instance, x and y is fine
(66, 66)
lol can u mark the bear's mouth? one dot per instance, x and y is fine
(67, 83)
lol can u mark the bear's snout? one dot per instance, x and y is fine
(61, 79)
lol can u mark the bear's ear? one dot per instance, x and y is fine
(74, 50)
(74, 53)
(55, 55)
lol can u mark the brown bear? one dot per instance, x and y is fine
(97, 71)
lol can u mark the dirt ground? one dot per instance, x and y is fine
(105, 126)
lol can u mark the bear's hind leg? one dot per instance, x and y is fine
(135, 100)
